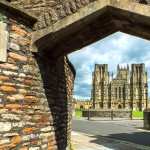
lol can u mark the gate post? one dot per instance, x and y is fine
(147, 119)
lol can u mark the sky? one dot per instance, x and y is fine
(118, 48)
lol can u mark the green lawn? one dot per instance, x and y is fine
(137, 114)
(78, 113)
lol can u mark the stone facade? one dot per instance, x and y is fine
(128, 90)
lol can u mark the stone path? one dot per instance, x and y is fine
(86, 142)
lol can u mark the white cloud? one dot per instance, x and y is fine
(119, 48)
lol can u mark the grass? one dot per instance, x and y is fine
(137, 114)
(71, 147)
(78, 113)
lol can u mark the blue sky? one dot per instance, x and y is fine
(118, 48)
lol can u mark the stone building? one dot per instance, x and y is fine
(81, 104)
(128, 90)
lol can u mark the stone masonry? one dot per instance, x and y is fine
(35, 93)
(50, 11)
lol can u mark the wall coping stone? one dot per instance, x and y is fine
(20, 15)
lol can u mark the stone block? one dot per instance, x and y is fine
(5, 126)
(4, 141)
(3, 42)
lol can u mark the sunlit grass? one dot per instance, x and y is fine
(138, 114)
(78, 113)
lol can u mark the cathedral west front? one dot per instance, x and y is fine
(127, 90)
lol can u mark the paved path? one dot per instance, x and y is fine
(87, 142)
(126, 130)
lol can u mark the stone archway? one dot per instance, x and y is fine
(93, 22)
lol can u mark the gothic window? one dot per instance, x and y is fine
(101, 105)
(116, 93)
(124, 93)
(119, 92)
(109, 105)
(145, 94)
(131, 105)
(119, 106)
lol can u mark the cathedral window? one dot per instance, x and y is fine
(116, 93)
(119, 92)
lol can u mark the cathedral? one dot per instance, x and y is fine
(128, 90)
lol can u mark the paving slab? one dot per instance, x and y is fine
(83, 141)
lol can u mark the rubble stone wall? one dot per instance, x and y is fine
(35, 95)
(50, 11)
(108, 113)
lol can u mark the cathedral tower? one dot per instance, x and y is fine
(100, 86)
(139, 87)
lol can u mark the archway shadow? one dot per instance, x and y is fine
(140, 138)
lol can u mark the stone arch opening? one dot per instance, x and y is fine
(92, 23)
